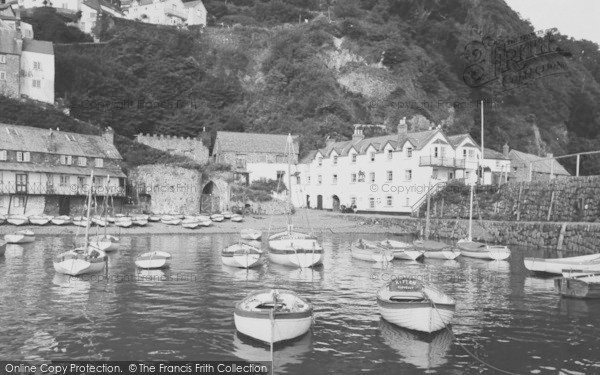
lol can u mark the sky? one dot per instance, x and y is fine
(576, 18)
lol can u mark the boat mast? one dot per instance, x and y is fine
(471, 214)
(89, 209)
(480, 166)
(106, 204)
(289, 218)
(427, 217)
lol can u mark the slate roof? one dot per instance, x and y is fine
(253, 142)
(26, 138)
(488, 153)
(523, 159)
(8, 43)
(192, 4)
(38, 46)
(98, 4)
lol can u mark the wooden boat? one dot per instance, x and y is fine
(40, 219)
(85, 259)
(123, 221)
(105, 242)
(409, 303)
(191, 223)
(17, 219)
(436, 249)
(22, 236)
(587, 263)
(402, 250)
(140, 217)
(583, 286)
(295, 249)
(369, 251)
(170, 220)
(241, 255)
(250, 234)
(176, 216)
(217, 217)
(80, 221)
(111, 219)
(227, 215)
(153, 218)
(206, 223)
(237, 218)
(273, 315)
(61, 220)
(99, 221)
(2, 219)
(2, 247)
(140, 221)
(153, 260)
(472, 249)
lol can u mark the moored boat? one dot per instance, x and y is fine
(123, 221)
(80, 221)
(295, 249)
(20, 237)
(250, 234)
(80, 261)
(153, 218)
(170, 220)
(241, 255)
(236, 218)
(105, 242)
(40, 219)
(436, 249)
(479, 250)
(402, 250)
(583, 286)
(217, 217)
(227, 214)
(587, 263)
(153, 260)
(17, 219)
(61, 220)
(411, 304)
(191, 223)
(140, 221)
(370, 251)
(273, 315)
(99, 221)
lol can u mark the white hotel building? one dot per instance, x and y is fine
(384, 174)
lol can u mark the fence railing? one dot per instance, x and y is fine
(432, 191)
(50, 189)
(441, 161)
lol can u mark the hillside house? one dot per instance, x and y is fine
(47, 171)
(524, 166)
(494, 166)
(254, 156)
(192, 148)
(168, 12)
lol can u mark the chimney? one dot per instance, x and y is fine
(109, 135)
(402, 128)
(358, 133)
(51, 142)
(505, 150)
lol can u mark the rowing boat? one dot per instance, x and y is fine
(583, 286)
(241, 255)
(250, 234)
(153, 260)
(20, 237)
(370, 251)
(589, 263)
(402, 250)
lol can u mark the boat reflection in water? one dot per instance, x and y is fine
(494, 265)
(243, 274)
(152, 276)
(578, 308)
(423, 350)
(285, 353)
(297, 274)
(536, 284)
(442, 263)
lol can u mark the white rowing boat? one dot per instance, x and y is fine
(409, 303)
(170, 220)
(436, 249)
(105, 242)
(241, 255)
(587, 263)
(481, 250)
(217, 217)
(20, 237)
(273, 315)
(17, 219)
(227, 214)
(402, 250)
(153, 260)
(140, 221)
(191, 223)
(61, 220)
(295, 249)
(80, 261)
(370, 251)
(40, 219)
(237, 218)
(250, 234)
(123, 221)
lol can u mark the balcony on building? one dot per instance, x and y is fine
(442, 161)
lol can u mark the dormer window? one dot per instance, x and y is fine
(390, 153)
(335, 159)
(320, 161)
(409, 152)
(2, 59)
(71, 138)
(82, 161)
(3, 155)
(464, 153)
(353, 156)
(23, 156)
(99, 162)
(66, 160)
(372, 156)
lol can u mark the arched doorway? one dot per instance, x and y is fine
(319, 202)
(336, 203)
(307, 201)
(209, 200)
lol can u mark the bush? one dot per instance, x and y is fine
(268, 185)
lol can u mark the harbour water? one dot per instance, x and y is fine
(504, 316)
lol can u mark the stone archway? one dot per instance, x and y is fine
(210, 198)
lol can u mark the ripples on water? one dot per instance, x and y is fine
(504, 315)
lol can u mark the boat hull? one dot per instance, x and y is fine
(261, 328)
(586, 287)
(250, 234)
(480, 250)
(241, 256)
(448, 254)
(371, 253)
(19, 238)
(153, 260)
(424, 317)
(556, 266)
(74, 264)
(298, 258)
(18, 221)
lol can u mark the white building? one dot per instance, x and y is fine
(168, 12)
(37, 70)
(388, 174)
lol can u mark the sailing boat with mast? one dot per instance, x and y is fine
(105, 242)
(82, 260)
(480, 250)
(292, 248)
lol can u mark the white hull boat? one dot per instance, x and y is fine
(217, 218)
(170, 220)
(153, 218)
(408, 303)
(272, 316)
(17, 219)
(250, 234)
(402, 250)
(61, 220)
(139, 221)
(80, 261)
(237, 218)
(20, 237)
(153, 260)
(105, 243)
(241, 255)
(227, 214)
(40, 220)
(191, 223)
(436, 249)
(99, 221)
(371, 252)
(295, 249)
(480, 250)
(123, 222)
(80, 222)
(585, 263)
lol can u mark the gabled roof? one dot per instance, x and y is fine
(26, 138)
(456, 140)
(254, 142)
(543, 166)
(38, 46)
(488, 153)
(309, 157)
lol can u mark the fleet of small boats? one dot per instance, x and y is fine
(370, 251)
(273, 315)
(241, 255)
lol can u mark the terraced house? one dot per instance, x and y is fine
(48, 171)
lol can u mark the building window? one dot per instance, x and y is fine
(81, 161)
(3, 155)
(64, 181)
(319, 179)
(372, 176)
(320, 161)
(334, 180)
(435, 152)
(2, 76)
(71, 137)
(389, 154)
(335, 160)
(372, 156)
(371, 202)
(352, 201)
(409, 151)
(407, 203)
(389, 200)
(390, 176)
(36, 83)
(353, 156)
(353, 177)
(298, 180)
(37, 65)
(464, 153)
(66, 160)
(2, 59)
(19, 202)
(21, 185)
(408, 175)
(497, 163)
(23, 156)
(308, 180)
(434, 174)
(99, 162)
(280, 175)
